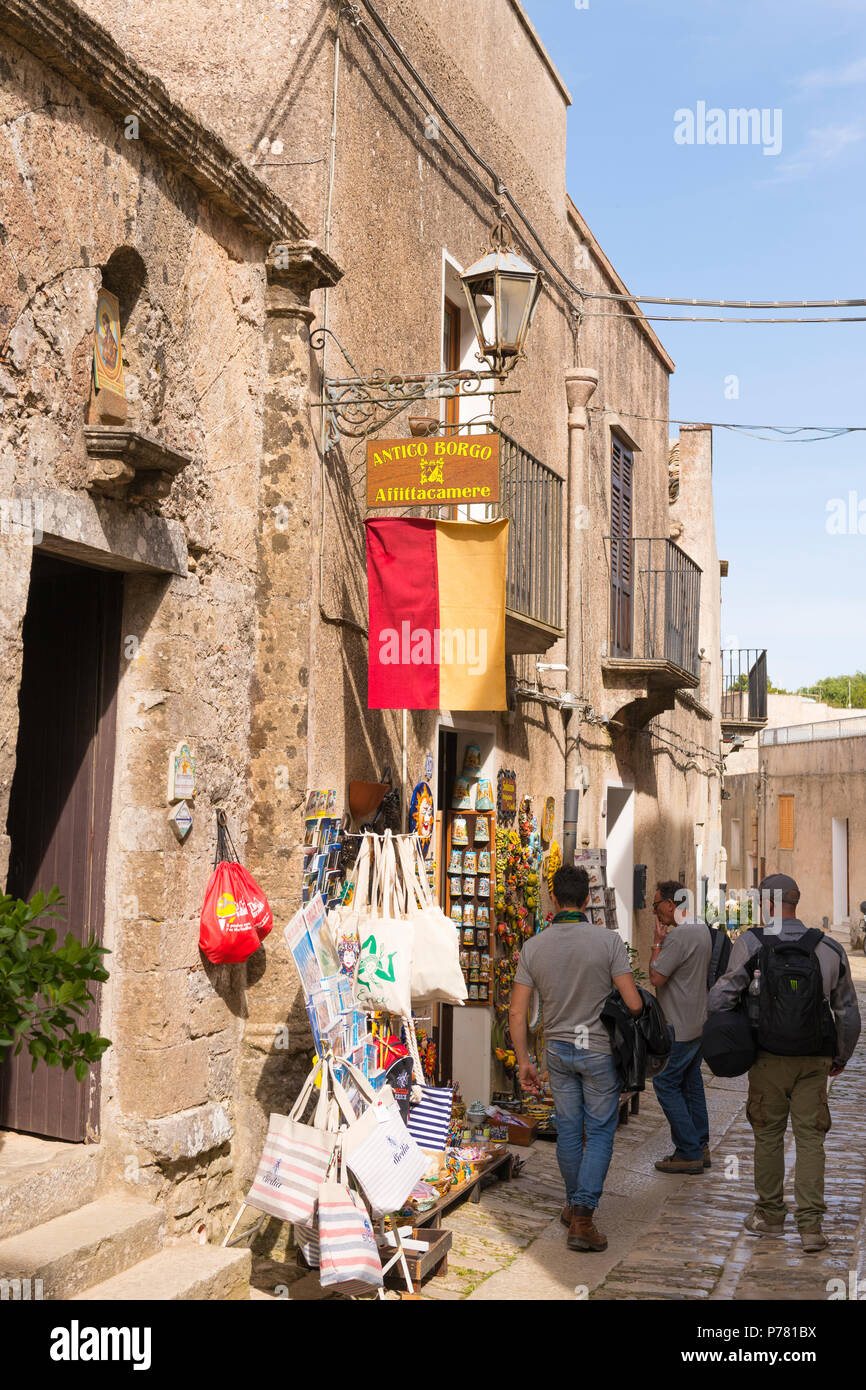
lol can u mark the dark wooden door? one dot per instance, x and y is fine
(61, 801)
(621, 550)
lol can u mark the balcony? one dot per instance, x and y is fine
(531, 498)
(655, 597)
(744, 691)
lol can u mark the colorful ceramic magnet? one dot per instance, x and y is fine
(484, 861)
(484, 887)
(469, 887)
(461, 800)
(456, 886)
(469, 914)
(470, 861)
(471, 761)
(421, 815)
(459, 834)
(484, 795)
(482, 831)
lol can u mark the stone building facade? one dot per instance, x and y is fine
(240, 537)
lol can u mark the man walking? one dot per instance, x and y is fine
(678, 971)
(574, 965)
(798, 984)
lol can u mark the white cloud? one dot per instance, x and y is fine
(851, 75)
(823, 145)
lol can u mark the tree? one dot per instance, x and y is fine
(44, 987)
(833, 690)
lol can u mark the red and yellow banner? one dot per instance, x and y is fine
(437, 613)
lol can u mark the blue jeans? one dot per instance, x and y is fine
(680, 1092)
(586, 1090)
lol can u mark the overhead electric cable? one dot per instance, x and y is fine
(694, 318)
(735, 303)
(819, 431)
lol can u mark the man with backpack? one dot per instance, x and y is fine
(797, 986)
(679, 966)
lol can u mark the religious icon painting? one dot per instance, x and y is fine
(107, 351)
(547, 821)
(506, 796)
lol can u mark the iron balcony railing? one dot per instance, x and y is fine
(744, 685)
(531, 497)
(655, 600)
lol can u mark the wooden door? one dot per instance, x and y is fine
(621, 550)
(61, 801)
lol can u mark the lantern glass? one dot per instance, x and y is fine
(502, 291)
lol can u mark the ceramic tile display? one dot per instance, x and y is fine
(469, 841)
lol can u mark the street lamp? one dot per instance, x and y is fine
(502, 291)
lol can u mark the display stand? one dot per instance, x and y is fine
(500, 1164)
(476, 936)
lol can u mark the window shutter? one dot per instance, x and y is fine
(786, 822)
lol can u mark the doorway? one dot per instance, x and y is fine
(60, 803)
(620, 854)
(840, 869)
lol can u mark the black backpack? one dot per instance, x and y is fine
(718, 962)
(794, 1019)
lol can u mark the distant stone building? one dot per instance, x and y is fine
(207, 552)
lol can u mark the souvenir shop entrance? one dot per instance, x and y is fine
(464, 1034)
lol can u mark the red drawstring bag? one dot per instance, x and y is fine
(236, 917)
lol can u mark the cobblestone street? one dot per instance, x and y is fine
(669, 1237)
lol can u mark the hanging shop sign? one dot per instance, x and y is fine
(506, 796)
(437, 613)
(431, 472)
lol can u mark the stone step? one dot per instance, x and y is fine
(83, 1247)
(41, 1179)
(180, 1272)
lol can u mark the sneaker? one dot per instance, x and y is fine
(565, 1215)
(582, 1232)
(813, 1241)
(758, 1225)
(674, 1164)
(708, 1162)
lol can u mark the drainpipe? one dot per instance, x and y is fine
(580, 383)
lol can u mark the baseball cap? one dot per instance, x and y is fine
(781, 883)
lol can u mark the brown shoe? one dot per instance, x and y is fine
(708, 1162)
(582, 1233)
(565, 1215)
(673, 1164)
(813, 1241)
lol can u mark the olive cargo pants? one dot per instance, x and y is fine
(779, 1086)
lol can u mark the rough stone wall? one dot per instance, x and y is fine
(76, 191)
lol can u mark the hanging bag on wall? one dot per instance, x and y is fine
(235, 917)
(384, 971)
(436, 973)
(296, 1156)
(379, 1150)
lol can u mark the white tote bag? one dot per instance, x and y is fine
(384, 971)
(345, 924)
(436, 973)
(296, 1156)
(379, 1150)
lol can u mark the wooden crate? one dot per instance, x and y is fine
(422, 1263)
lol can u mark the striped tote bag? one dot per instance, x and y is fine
(296, 1156)
(430, 1120)
(349, 1260)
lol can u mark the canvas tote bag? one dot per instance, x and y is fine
(349, 1261)
(296, 1156)
(384, 970)
(344, 924)
(436, 973)
(379, 1150)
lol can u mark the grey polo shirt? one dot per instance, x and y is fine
(683, 960)
(572, 965)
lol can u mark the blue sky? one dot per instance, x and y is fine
(728, 221)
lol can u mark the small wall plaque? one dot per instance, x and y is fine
(180, 817)
(181, 774)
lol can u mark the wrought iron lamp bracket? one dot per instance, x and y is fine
(360, 405)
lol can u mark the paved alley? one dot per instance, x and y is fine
(669, 1237)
